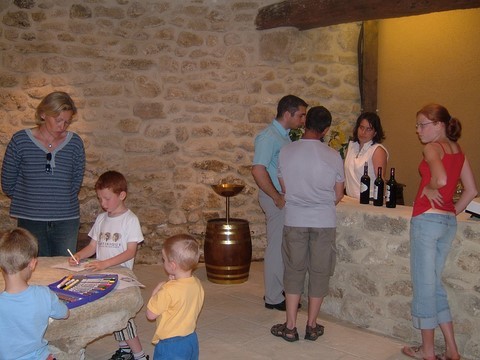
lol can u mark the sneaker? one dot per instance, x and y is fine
(280, 306)
(122, 355)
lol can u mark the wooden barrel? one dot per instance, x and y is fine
(228, 251)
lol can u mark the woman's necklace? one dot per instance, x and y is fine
(49, 143)
(359, 150)
(362, 148)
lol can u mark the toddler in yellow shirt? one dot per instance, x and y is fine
(175, 304)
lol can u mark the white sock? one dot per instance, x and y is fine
(139, 355)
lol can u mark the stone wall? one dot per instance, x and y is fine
(371, 286)
(171, 93)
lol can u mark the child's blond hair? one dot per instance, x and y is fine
(17, 248)
(182, 249)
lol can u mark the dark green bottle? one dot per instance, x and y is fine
(391, 194)
(365, 186)
(378, 189)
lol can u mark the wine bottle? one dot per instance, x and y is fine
(365, 186)
(391, 194)
(378, 186)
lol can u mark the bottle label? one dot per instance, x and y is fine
(375, 192)
(387, 196)
(363, 187)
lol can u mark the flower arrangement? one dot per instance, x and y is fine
(335, 138)
(338, 141)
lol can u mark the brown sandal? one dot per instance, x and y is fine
(416, 352)
(285, 333)
(313, 333)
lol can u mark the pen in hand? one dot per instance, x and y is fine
(73, 257)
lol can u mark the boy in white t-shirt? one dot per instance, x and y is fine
(114, 238)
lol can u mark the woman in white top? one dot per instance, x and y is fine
(365, 148)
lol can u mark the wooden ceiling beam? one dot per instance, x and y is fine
(309, 14)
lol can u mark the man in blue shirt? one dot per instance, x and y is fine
(291, 113)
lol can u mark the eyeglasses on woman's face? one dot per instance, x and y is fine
(62, 118)
(421, 125)
(65, 118)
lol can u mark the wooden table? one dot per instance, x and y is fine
(69, 338)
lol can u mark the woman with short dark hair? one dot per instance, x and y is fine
(365, 147)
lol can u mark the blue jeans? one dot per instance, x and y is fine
(54, 237)
(177, 348)
(431, 237)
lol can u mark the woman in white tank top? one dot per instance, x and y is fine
(364, 148)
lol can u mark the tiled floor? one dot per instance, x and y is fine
(234, 324)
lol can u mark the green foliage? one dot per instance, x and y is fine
(296, 134)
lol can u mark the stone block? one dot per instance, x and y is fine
(469, 261)
(236, 58)
(17, 19)
(177, 217)
(364, 283)
(136, 64)
(399, 287)
(24, 4)
(269, 49)
(129, 125)
(151, 215)
(157, 131)
(211, 165)
(109, 12)
(203, 131)
(400, 309)
(7, 80)
(188, 39)
(471, 233)
(233, 112)
(148, 111)
(78, 11)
